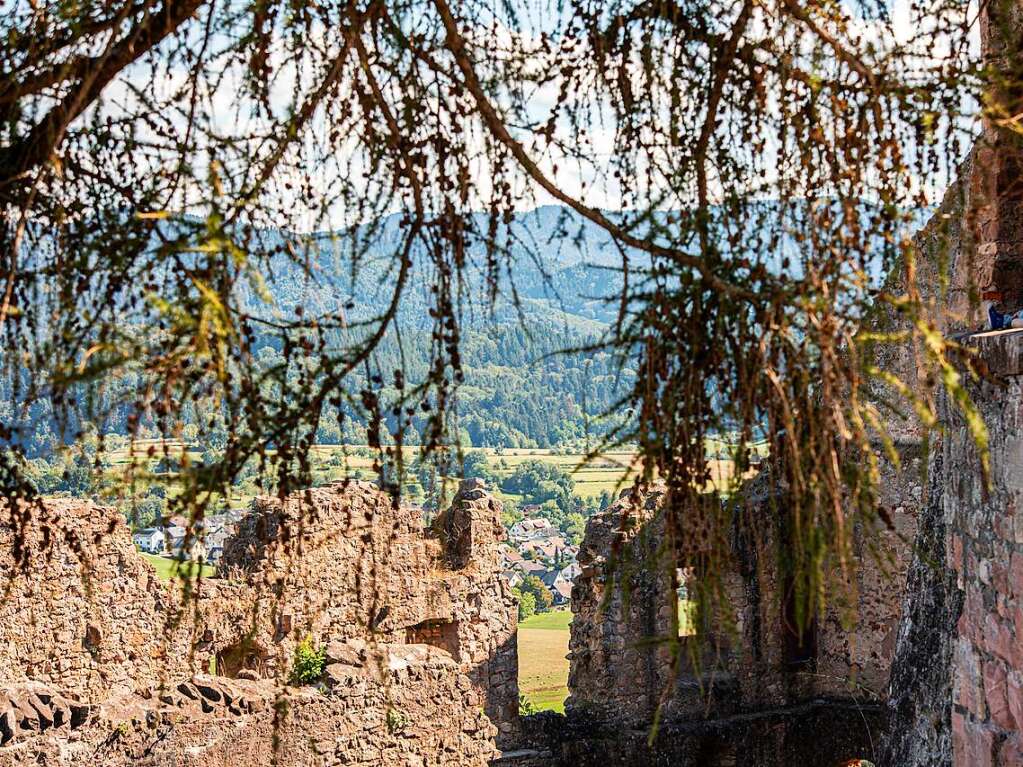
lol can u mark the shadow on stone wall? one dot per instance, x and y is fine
(815, 734)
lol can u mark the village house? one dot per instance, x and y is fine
(559, 583)
(532, 529)
(174, 534)
(552, 549)
(216, 531)
(509, 557)
(185, 545)
(529, 567)
(571, 571)
(150, 540)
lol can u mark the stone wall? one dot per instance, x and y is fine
(817, 734)
(82, 610)
(341, 567)
(626, 627)
(957, 686)
(918, 720)
(991, 246)
(955, 683)
(616, 603)
(398, 584)
(625, 635)
(397, 706)
(985, 551)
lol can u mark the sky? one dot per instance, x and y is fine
(592, 185)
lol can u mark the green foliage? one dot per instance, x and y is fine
(551, 487)
(575, 527)
(527, 603)
(515, 394)
(475, 465)
(72, 472)
(396, 720)
(534, 586)
(539, 481)
(510, 513)
(526, 706)
(146, 511)
(309, 662)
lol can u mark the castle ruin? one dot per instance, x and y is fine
(102, 664)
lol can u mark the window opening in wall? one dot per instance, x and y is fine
(436, 633)
(243, 656)
(800, 641)
(686, 606)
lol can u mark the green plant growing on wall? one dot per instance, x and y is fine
(527, 707)
(396, 720)
(309, 663)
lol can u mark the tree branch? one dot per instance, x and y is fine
(41, 141)
(844, 54)
(722, 68)
(456, 46)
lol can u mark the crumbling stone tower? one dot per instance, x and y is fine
(954, 697)
(989, 249)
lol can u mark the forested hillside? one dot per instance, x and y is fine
(522, 386)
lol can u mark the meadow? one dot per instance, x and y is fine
(167, 568)
(610, 472)
(543, 647)
(543, 666)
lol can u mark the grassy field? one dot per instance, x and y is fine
(555, 620)
(543, 667)
(543, 645)
(609, 472)
(170, 568)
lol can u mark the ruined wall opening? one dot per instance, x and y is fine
(244, 656)
(687, 608)
(436, 633)
(799, 636)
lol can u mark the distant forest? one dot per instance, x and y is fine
(520, 388)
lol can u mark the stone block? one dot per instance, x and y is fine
(996, 694)
(968, 686)
(1010, 752)
(349, 653)
(1014, 695)
(1016, 575)
(1002, 352)
(972, 742)
(957, 552)
(1000, 639)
